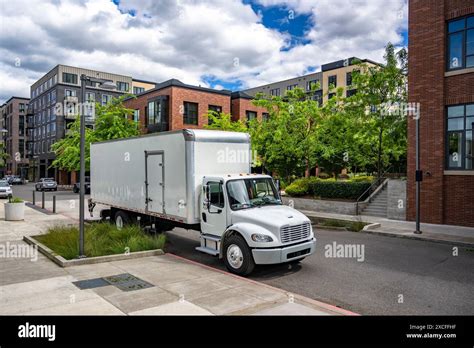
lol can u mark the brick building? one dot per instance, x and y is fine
(13, 134)
(174, 105)
(441, 80)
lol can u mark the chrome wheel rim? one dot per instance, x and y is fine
(235, 256)
(119, 222)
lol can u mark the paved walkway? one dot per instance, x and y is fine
(432, 232)
(33, 285)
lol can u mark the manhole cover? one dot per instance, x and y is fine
(127, 282)
(90, 283)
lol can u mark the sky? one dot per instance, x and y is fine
(223, 44)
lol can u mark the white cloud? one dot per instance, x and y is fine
(185, 39)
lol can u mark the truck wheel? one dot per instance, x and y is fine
(121, 219)
(237, 256)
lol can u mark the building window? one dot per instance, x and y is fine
(217, 109)
(265, 116)
(460, 43)
(138, 90)
(154, 112)
(53, 96)
(275, 92)
(106, 98)
(69, 78)
(250, 115)
(21, 125)
(460, 147)
(349, 78)
(122, 86)
(331, 95)
(190, 115)
(136, 115)
(311, 84)
(21, 107)
(332, 81)
(291, 87)
(90, 97)
(351, 92)
(70, 93)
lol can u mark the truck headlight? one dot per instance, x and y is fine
(261, 238)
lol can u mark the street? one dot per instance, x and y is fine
(396, 276)
(424, 276)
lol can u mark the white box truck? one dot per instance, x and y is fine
(200, 180)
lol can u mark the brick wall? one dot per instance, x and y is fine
(444, 198)
(241, 105)
(177, 96)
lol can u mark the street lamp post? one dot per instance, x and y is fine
(105, 84)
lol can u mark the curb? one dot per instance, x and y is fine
(424, 239)
(302, 298)
(62, 262)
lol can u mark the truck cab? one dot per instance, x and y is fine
(244, 222)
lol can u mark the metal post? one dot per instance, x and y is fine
(54, 204)
(418, 172)
(82, 167)
(42, 199)
(34, 197)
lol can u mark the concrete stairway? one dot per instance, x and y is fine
(378, 205)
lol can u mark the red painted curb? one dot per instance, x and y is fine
(303, 298)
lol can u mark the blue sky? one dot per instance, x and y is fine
(231, 44)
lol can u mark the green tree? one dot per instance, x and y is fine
(223, 121)
(286, 141)
(111, 122)
(377, 110)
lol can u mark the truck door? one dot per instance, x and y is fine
(213, 212)
(155, 181)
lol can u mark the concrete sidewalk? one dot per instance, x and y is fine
(458, 235)
(170, 285)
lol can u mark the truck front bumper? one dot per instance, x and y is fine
(281, 255)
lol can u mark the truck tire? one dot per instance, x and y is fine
(121, 219)
(238, 256)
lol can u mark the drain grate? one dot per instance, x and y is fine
(127, 282)
(90, 283)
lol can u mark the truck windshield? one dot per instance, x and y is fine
(249, 193)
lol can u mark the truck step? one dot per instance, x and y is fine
(208, 250)
(211, 237)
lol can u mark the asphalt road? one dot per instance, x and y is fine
(397, 276)
(25, 192)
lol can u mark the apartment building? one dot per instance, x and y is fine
(243, 109)
(441, 80)
(53, 106)
(332, 75)
(175, 105)
(13, 133)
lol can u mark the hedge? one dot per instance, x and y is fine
(328, 188)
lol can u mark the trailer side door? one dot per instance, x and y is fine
(155, 181)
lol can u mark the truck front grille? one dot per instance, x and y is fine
(295, 233)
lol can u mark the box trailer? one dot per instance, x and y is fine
(200, 180)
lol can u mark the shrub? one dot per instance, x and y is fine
(324, 176)
(297, 188)
(338, 189)
(15, 200)
(362, 178)
(100, 239)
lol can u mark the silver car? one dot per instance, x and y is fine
(46, 184)
(5, 189)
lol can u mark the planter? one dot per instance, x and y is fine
(14, 211)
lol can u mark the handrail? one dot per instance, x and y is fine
(375, 184)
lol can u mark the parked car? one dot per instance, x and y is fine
(16, 180)
(46, 184)
(87, 186)
(5, 189)
(8, 178)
